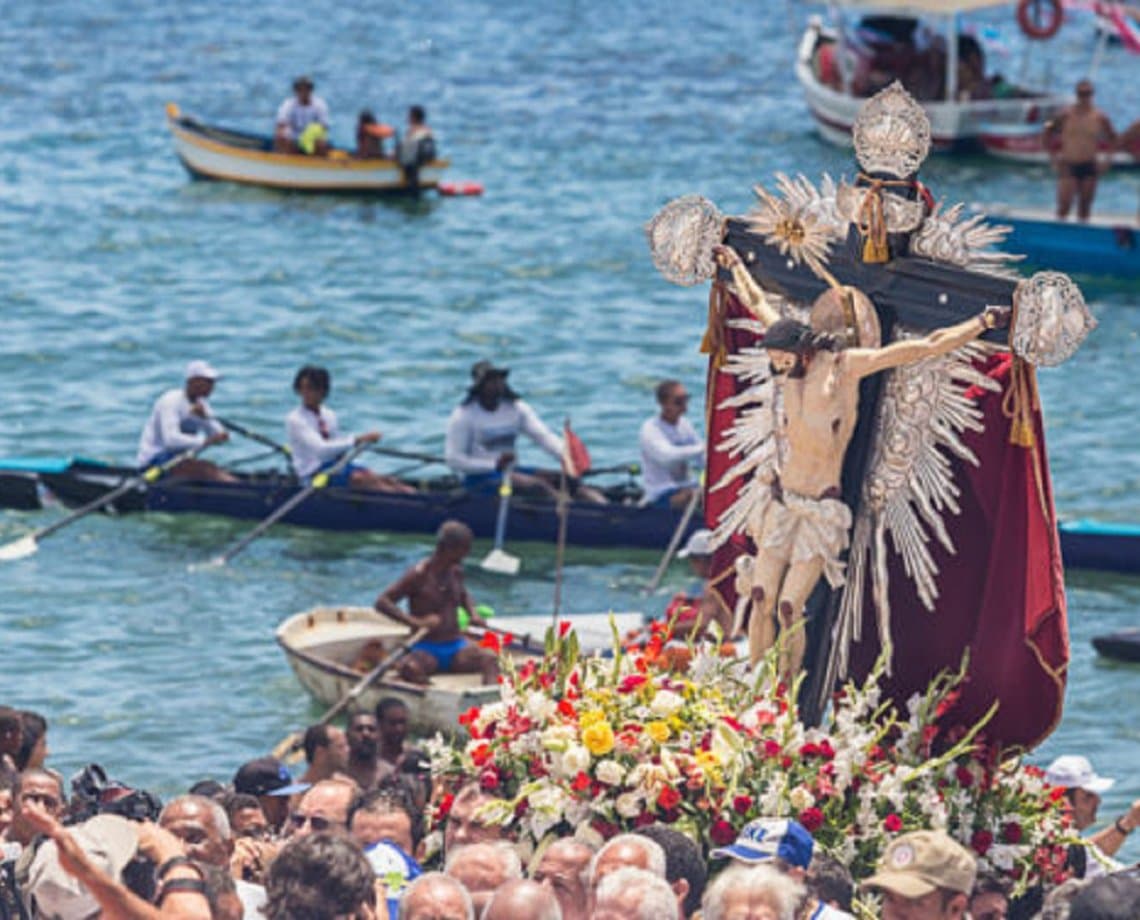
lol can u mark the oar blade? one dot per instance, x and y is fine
(501, 563)
(19, 549)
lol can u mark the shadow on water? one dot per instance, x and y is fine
(208, 191)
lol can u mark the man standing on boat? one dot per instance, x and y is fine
(669, 443)
(435, 591)
(294, 131)
(481, 435)
(417, 146)
(1081, 132)
(181, 419)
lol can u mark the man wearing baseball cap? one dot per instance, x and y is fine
(269, 780)
(785, 845)
(924, 875)
(181, 420)
(1083, 788)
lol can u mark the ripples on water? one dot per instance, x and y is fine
(581, 121)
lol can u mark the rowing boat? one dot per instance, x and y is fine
(212, 152)
(1085, 544)
(1120, 646)
(1105, 244)
(321, 644)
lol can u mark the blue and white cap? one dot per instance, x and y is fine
(395, 868)
(771, 838)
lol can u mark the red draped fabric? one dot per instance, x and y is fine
(1001, 595)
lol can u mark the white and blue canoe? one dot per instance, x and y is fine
(1107, 244)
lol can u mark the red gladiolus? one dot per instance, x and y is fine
(741, 804)
(489, 779)
(581, 782)
(669, 798)
(444, 808)
(632, 682)
(481, 754)
(811, 819)
(722, 833)
(981, 841)
(892, 823)
(1011, 832)
(566, 709)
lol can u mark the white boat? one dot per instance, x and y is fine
(1026, 144)
(835, 73)
(321, 644)
(211, 152)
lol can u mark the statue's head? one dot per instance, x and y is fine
(791, 345)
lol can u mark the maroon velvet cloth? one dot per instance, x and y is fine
(1001, 594)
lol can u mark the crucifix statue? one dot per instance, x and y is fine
(852, 322)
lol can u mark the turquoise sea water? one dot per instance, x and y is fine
(581, 120)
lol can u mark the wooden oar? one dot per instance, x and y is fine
(406, 455)
(562, 510)
(289, 744)
(253, 435)
(319, 481)
(499, 560)
(27, 545)
(678, 533)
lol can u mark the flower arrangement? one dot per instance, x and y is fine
(597, 745)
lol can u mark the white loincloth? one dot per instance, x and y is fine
(803, 529)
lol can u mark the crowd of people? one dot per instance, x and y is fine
(480, 444)
(363, 833)
(302, 127)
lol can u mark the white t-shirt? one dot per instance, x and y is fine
(172, 426)
(476, 437)
(252, 898)
(312, 448)
(666, 451)
(297, 117)
(823, 911)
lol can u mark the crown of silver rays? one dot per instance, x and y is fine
(891, 133)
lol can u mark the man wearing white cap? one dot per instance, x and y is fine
(180, 420)
(1083, 788)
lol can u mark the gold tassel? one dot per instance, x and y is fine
(1020, 402)
(873, 226)
(712, 342)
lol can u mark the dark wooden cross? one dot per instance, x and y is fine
(921, 294)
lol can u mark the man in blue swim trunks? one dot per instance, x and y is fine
(435, 591)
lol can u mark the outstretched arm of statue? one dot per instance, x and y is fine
(866, 361)
(749, 292)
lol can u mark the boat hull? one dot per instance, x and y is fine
(1121, 646)
(1104, 245)
(220, 154)
(1024, 143)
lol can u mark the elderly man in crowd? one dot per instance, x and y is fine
(759, 892)
(482, 868)
(924, 875)
(562, 869)
(1083, 788)
(202, 826)
(627, 893)
(520, 899)
(38, 786)
(435, 896)
(324, 809)
(625, 851)
(465, 824)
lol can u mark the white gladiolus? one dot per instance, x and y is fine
(539, 707)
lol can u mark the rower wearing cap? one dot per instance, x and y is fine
(924, 875)
(481, 435)
(181, 419)
(302, 121)
(1083, 788)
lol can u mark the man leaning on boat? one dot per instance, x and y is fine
(180, 420)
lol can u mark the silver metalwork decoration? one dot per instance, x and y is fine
(901, 214)
(891, 133)
(971, 244)
(681, 239)
(793, 224)
(1050, 320)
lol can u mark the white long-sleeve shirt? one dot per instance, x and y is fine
(666, 451)
(172, 426)
(312, 449)
(476, 437)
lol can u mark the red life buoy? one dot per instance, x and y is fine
(1040, 19)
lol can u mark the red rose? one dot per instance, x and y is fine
(982, 841)
(1011, 832)
(811, 819)
(741, 804)
(810, 750)
(643, 820)
(826, 751)
(771, 748)
(480, 754)
(669, 798)
(892, 823)
(787, 762)
(722, 833)
(489, 779)
(964, 777)
(581, 782)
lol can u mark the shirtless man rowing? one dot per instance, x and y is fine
(1082, 129)
(801, 526)
(435, 591)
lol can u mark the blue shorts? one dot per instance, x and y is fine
(486, 483)
(443, 652)
(341, 478)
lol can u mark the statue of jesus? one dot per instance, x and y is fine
(801, 527)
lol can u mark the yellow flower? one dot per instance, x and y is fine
(592, 717)
(658, 731)
(598, 738)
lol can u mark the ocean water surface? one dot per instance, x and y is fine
(581, 119)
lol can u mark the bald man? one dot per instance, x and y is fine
(561, 870)
(520, 899)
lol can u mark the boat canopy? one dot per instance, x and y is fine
(921, 7)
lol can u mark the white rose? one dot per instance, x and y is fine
(609, 772)
(801, 798)
(666, 703)
(575, 759)
(628, 805)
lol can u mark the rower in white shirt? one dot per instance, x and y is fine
(181, 419)
(316, 444)
(669, 443)
(481, 435)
